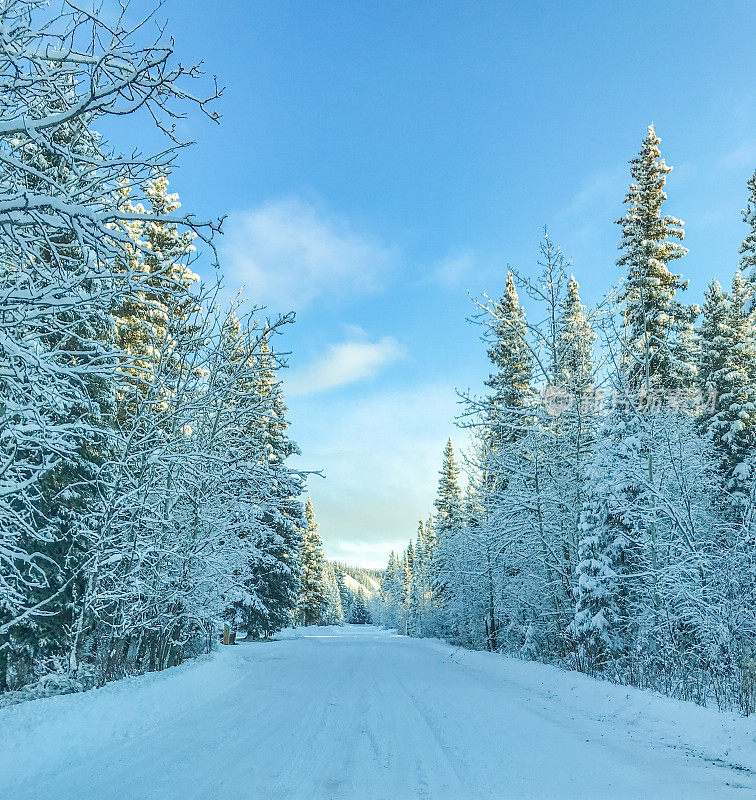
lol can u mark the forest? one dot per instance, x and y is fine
(606, 523)
(146, 492)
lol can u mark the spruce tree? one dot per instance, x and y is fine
(748, 246)
(574, 368)
(157, 302)
(511, 356)
(448, 501)
(595, 626)
(334, 612)
(574, 429)
(730, 345)
(313, 599)
(448, 517)
(648, 246)
(275, 575)
(360, 615)
(714, 336)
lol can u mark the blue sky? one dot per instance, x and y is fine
(378, 161)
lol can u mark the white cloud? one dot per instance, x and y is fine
(288, 253)
(452, 270)
(601, 189)
(739, 158)
(344, 363)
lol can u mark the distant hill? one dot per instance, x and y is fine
(356, 578)
(357, 588)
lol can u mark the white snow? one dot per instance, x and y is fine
(357, 712)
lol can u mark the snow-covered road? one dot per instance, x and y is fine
(362, 713)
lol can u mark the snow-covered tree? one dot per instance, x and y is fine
(447, 518)
(729, 362)
(748, 245)
(276, 581)
(334, 611)
(313, 600)
(648, 246)
(509, 353)
(63, 229)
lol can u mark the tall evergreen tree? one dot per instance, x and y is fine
(714, 336)
(574, 429)
(513, 360)
(313, 599)
(648, 246)
(276, 576)
(730, 346)
(748, 245)
(152, 313)
(449, 496)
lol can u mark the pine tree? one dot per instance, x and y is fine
(731, 346)
(449, 496)
(648, 247)
(748, 246)
(511, 356)
(715, 342)
(685, 356)
(334, 612)
(574, 429)
(276, 580)
(313, 600)
(359, 614)
(595, 624)
(152, 315)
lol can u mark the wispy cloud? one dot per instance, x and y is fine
(288, 252)
(452, 271)
(345, 363)
(599, 189)
(741, 157)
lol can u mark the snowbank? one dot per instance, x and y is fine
(720, 737)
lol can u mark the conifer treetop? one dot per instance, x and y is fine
(748, 246)
(650, 241)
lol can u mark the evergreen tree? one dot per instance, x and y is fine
(595, 626)
(730, 346)
(359, 614)
(574, 367)
(448, 505)
(313, 599)
(685, 356)
(573, 430)
(334, 612)
(152, 314)
(449, 496)
(714, 336)
(748, 246)
(275, 577)
(511, 356)
(648, 247)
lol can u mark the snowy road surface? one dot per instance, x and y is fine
(362, 713)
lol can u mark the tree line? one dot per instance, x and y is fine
(607, 522)
(146, 492)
